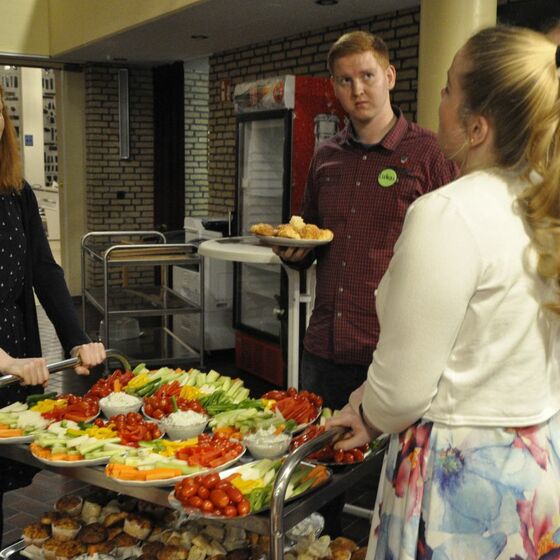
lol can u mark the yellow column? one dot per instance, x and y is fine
(70, 116)
(445, 25)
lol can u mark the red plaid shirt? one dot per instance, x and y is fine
(344, 193)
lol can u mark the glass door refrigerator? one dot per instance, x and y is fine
(280, 122)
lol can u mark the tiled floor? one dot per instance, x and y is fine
(23, 506)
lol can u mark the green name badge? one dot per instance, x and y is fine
(387, 178)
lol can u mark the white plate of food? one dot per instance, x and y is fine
(175, 503)
(18, 439)
(172, 481)
(288, 242)
(72, 464)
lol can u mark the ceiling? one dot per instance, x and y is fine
(227, 24)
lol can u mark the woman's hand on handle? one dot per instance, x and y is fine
(31, 371)
(358, 433)
(349, 417)
(90, 355)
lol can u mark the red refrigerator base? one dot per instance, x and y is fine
(260, 358)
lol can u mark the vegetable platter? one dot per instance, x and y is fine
(72, 444)
(69, 444)
(20, 422)
(163, 462)
(145, 383)
(243, 490)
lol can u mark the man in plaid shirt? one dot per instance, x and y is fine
(360, 185)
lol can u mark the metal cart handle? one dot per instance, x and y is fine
(70, 362)
(281, 485)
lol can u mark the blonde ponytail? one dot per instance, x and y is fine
(513, 80)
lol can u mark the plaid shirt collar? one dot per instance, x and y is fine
(390, 141)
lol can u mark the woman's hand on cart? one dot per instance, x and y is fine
(90, 355)
(358, 433)
(350, 417)
(31, 371)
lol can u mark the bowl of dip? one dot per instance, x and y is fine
(119, 403)
(183, 424)
(265, 443)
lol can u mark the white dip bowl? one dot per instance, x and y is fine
(183, 424)
(119, 403)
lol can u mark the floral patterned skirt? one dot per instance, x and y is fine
(468, 493)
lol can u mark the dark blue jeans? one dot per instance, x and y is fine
(334, 382)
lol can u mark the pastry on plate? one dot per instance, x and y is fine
(171, 552)
(65, 528)
(69, 505)
(93, 533)
(49, 516)
(49, 548)
(137, 526)
(263, 229)
(36, 534)
(70, 549)
(287, 231)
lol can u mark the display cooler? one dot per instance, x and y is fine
(280, 122)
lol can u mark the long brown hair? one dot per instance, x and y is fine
(11, 176)
(512, 80)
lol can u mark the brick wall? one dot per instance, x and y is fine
(119, 192)
(304, 54)
(196, 142)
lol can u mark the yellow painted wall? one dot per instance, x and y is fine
(74, 23)
(24, 27)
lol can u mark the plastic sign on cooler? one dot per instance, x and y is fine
(265, 95)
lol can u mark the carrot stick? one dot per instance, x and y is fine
(10, 432)
(157, 474)
(317, 470)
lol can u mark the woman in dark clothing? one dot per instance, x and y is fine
(27, 266)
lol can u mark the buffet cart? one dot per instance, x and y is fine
(275, 522)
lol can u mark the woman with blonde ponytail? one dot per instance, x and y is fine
(466, 376)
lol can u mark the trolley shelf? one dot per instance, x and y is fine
(124, 249)
(158, 346)
(293, 513)
(141, 301)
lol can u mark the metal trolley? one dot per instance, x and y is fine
(281, 517)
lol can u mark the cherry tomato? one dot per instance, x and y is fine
(358, 454)
(233, 494)
(244, 507)
(211, 480)
(219, 498)
(207, 505)
(230, 511)
(339, 456)
(198, 479)
(185, 492)
(195, 501)
(348, 457)
(203, 492)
